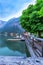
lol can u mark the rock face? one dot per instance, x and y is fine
(12, 60)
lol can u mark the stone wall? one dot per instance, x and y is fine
(12, 60)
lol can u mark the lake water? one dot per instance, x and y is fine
(8, 48)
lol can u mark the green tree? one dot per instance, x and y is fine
(32, 18)
(25, 18)
(41, 12)
(36, 23)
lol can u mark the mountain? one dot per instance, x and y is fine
(2, 23)
(13, 25)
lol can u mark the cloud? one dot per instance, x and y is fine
(13, 8)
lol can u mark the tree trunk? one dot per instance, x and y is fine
(39, 34)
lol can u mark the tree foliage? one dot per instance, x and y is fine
(32, 17)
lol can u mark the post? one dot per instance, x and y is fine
(42, 49)
(33, 42)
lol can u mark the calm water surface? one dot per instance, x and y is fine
(8, 48)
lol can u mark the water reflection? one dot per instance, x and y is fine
(16, 48)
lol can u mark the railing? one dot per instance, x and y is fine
(37, 45)
(40, 43)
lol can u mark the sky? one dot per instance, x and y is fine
(13, 8)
